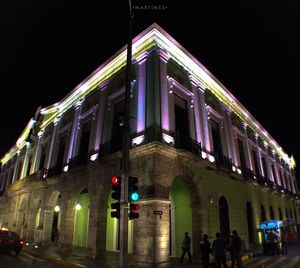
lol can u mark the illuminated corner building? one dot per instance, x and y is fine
(204, 163)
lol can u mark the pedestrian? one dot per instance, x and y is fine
(235, 249)
(186, 247)
(283, 240)
(273, 240)
(219, 247)
(55, 235)
(205, 251)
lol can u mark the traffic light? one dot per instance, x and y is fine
(133, 211)
(116, 187)
(133, 194)
(115, 210)
(116, 194)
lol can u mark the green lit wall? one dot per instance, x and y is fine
(183, 212)
(81, 221)
(112, 229)
(237, 193)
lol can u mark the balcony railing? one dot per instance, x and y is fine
(248, 174)
(223, 161)
(188, 145)
(77, 161)
(54, 171)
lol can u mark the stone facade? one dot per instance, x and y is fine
(193, 146)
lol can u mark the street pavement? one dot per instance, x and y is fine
(48, 257)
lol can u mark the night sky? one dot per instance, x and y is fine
(49, 47)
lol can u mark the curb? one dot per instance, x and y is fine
(60, 261)
(244, 258)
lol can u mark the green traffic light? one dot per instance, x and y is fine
(134, 196)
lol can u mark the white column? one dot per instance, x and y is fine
(268, 164)
(248, 150)
(37, 151)
(164, 91)
(74, 130)
(17, 165)
(232, 139)
(288, 181)
(258, 155)
(206, 146)
(53, 139)
(197, 112)
(25, 162)
(279, 179)
(283, 178)
(142, 84)
(99, 119)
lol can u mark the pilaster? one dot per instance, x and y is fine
(53, 139)
(141, 91)
(164, 91)
(248, 150)
(230, 137)
(26, 159)
(99, 119)
(151, 233)
(16, 170)
(201, 115)
(74, 130)
(37, 152)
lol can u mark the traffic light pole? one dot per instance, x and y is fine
(125, 167)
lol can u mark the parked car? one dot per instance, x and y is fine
(10, 241)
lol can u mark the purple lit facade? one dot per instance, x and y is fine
(194, 147)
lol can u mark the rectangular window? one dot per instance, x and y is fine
(242, 154)
(264, 168)
(43, 157)
(274, 174)
(255, 161)
(29, 166)
(19, 171)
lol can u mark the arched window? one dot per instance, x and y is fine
(250, 222)
(295, 213)
(286, 213)
(263, 213)
(272, 213)
(224, 218)
(280, 214)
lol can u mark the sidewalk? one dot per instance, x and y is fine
(77, 259)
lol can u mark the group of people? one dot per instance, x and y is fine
(216, 254)
(217, 251)
(277, 243)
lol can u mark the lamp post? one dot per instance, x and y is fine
(125, 164)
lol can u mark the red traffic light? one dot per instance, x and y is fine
(116, 180)
(133, 211)
(134, 207)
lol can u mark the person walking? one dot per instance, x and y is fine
(235, 249)
(205, 251)
(283, 240)
(219, 247)
(186, 247)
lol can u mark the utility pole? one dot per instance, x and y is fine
(125, 166)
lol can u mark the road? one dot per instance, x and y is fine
(291, 260)
(24, 260)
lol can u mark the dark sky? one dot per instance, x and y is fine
(49, 47)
